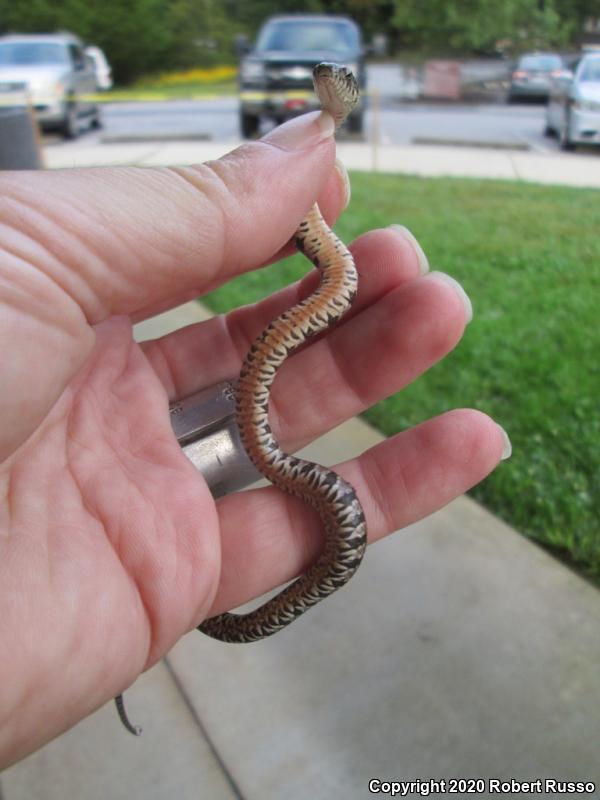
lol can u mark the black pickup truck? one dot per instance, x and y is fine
(276, 74)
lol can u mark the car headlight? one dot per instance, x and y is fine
(252, 70)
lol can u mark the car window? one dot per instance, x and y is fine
(542, 63)
(32, 53)
(308, 36)
(590, 70)
(76, 55)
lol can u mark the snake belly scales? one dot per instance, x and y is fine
(332, 497)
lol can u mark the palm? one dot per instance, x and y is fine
(115, 531)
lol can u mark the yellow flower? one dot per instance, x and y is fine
(198, 75)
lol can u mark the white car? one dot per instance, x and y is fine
(573, 111)
(56, 75)
(102, 68)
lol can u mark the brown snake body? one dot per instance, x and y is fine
(332, 497)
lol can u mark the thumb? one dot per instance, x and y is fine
(123, 240)
(77, 246)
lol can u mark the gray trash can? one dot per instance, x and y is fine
(19, 146)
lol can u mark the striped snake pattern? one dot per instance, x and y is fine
(333, 498)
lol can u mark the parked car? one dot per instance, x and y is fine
(57, 76)
(276, 75)
(102, 68)
(573, 112)
(532, 76)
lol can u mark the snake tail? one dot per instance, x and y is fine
(332, 497)
(120, 704)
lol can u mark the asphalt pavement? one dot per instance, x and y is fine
(459, 650)
(397, 122)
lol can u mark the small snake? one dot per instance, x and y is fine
(333, 498)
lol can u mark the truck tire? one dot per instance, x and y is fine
(565, 136)
(96, 121)
(355, 123)
(69, 126)
(249, 124)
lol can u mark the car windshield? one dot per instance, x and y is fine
(541, 63)
(307, 36)
(590, 71)
(15, 54)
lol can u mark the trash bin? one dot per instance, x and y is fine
(19, 146)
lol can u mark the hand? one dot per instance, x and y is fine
(111, 546)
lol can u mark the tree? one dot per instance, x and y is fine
(141, 36)
(134, 35)
(476, 25)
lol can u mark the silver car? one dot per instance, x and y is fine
(573, 111)
(57, 76)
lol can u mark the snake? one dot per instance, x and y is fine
(333, 498)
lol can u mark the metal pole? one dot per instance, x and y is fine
(36, 132)
(375, 130)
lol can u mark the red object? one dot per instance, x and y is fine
(296, 102)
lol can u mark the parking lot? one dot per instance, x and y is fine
(400, 123)
(393, 117)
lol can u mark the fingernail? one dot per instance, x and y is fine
(409, 237)
(343, 173)
(442, 276)
(507, 446)
(302, 132)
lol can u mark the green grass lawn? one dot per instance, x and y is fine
(529, 258)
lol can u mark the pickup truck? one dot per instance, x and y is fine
(275, 78)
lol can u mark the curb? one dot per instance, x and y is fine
(478, 144)
(132, 138)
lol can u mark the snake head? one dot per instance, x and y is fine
(337, 90)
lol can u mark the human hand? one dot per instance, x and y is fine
(111, 546)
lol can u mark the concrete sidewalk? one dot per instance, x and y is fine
(567, 169)
(459, 650)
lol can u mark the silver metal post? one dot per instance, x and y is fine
(205, 427)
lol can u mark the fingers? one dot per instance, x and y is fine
(269, 537)
(378, 353)
(128, 240)
(184, 360)
(401, 324)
